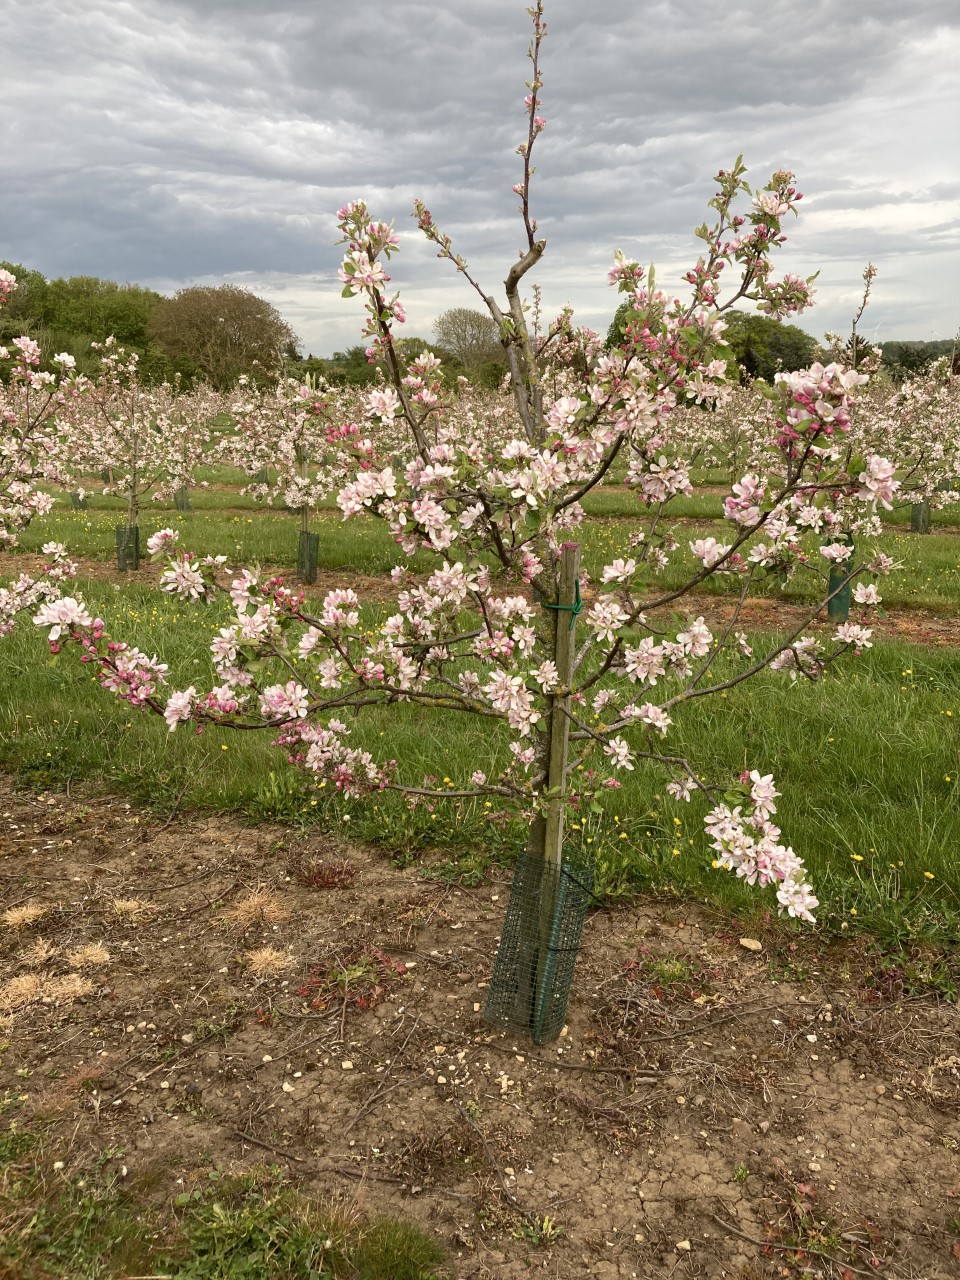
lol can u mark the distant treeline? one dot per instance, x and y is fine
(201, 334)
(215, 334)
(762, 346)
(904, 359)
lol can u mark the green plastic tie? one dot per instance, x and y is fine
(572, 609)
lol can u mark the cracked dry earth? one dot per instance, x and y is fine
(193, 993)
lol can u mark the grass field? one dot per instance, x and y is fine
(929, 574)
(93, 1223)
(867, 759)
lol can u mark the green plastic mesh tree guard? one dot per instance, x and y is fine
(308, 549)
(838, 606)
(533, 971)
(128, 547)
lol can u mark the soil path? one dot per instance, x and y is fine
(241, 995)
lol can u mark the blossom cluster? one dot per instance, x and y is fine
(749, 844)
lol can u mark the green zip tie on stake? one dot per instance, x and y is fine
(572, 609)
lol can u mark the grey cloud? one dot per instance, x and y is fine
(172, 142)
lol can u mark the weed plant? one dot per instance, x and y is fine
(94, 1223)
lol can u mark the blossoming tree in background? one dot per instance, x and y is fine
(280, 439)
(144, 440)
(916, 422)
(919, 424)
(32, 404)
(568, 663)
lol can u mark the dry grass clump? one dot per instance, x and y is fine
(131, 910)
(62, 1095)
(29, 988)
(63, 990)
(259, 907)
(90, 956)
(19, 991)
(38, 952)
(21, 917)
(266, 961)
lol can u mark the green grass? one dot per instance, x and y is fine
(92, 1223)
(929, 576)
(619, 501)
(362, 545)
(863, 758)
(867, 760)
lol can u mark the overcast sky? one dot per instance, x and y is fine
(206, 141)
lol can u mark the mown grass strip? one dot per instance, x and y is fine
(867, 760)
(928, 575)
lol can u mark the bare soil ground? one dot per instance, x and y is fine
(193, 993)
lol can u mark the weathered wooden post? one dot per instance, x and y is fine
(920, 517)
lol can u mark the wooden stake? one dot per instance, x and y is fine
(564, 650)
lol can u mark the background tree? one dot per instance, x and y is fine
(70, 315)
(224, 331)
(758, 344)
(470, 338)
(24, 307)
(764, 347)
(907, 359)
(100, 309)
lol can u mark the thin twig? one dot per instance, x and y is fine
(582, 1066)
(371, 1101)
(707, 1024)
(495, 1167)
(346, 995)
(210, 902)
(180, 884)
(173, 812)
(267, 1146)
(590, 1070)
(414, 1188)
